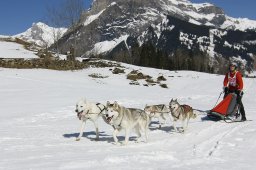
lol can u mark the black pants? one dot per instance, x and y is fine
(239, 101)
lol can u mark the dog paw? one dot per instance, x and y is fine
(78, 139)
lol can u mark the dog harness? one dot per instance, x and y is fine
(101, 110)
(162, 108)
(154, 111)
(184, 108)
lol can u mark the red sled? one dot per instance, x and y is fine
(228, 108)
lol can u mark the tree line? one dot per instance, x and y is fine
(148, 55)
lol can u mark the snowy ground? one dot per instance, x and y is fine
(14, 50)
(38, 124)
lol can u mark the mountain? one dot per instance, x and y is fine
(129, 30)
(41, 34)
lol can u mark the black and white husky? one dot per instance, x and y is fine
(128, 119)
(89, 111)
(181, 112)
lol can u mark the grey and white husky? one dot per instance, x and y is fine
(89, 111)
(128, 119)
(160, 111)
(181, 112)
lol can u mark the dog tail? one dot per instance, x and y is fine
(193, 115)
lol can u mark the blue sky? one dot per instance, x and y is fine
(235, 8)
(18, 15)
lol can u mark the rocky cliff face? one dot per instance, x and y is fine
(114, 27)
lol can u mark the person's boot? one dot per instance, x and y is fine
(243, 118)
(242, 112)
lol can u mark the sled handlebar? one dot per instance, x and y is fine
(219, 98)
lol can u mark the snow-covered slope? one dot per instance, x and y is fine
(116, 29)
(207, 14)
(38, 124)
(196, 13)
(242, 24)
(41, 34)
(14, 50)
(5, 36)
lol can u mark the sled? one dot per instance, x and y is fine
(227, 110)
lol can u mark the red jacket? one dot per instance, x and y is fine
(234, 81)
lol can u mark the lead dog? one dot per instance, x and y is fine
(128, 119)
(161, 112)
(89, 111)
(181, 112)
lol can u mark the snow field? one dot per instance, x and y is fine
(38, 124)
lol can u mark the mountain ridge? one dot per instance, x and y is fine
(107, 22)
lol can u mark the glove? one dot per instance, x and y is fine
(225, 89)
(239, 92)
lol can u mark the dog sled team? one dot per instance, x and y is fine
(132, 119)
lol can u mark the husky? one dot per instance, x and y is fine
(89, 111)
(128, 119)
(181, 112)
(160, 111)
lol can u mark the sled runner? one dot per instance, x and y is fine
(227, 109)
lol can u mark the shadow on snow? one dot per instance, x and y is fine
(102, 136)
